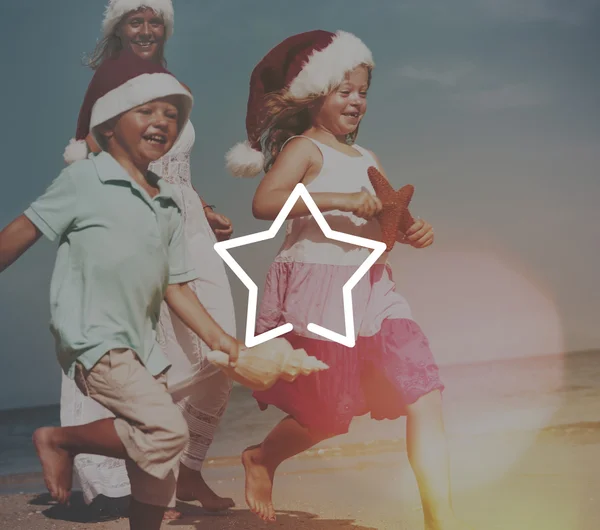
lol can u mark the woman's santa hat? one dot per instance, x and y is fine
(117, 9)
(122, 83)
(308, 64)
(114, 13)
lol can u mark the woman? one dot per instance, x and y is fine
(144, 26)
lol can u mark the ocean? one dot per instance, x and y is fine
(520, 394)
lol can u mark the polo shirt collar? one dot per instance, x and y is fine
(108, 169)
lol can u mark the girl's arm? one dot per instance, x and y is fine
(15, 239)
(185, 304)
(299, 159)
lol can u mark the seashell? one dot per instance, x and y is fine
(259, 367)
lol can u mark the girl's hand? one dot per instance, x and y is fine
(220, 224)
(419, 235)
(362, 204)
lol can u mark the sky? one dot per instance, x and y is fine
(489, 107)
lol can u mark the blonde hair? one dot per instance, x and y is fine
(285, 116)
(111, 45)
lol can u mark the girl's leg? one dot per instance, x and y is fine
(287, 439)
(428, 456)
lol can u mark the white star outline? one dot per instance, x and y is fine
(222, 247)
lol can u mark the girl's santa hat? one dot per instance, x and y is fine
(308, 64)
(120, 84)
(116, 9)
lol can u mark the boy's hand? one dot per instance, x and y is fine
(232, 347)
(419, 235)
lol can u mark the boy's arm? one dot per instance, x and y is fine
(15, 239)
(184, 303)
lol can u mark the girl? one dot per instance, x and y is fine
(307, 99)
(143, 27)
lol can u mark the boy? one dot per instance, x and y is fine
(121, 252)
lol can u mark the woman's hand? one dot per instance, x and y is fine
(220, 225)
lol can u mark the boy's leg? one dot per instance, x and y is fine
(149, 432)
(145, 516)
(58, 446)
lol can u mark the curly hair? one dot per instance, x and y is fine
(285, 116)
(111, 45)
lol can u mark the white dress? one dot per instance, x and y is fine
(208, 396)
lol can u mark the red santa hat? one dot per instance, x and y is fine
(118, 85)
(308, 64)
(116, 9)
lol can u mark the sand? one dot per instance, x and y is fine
(554, 485)
(525, 455)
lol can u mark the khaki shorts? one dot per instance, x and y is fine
(147, 421)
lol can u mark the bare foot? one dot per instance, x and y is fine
(450, 523)
(259, 484)
(192, 487)
(172, 515)
(57, 463)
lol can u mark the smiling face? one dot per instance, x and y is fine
(145, 133)
(340, 111)
(143, 31)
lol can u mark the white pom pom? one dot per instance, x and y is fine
(244, 161)
(76, 150)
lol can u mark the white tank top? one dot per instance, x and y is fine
(305, 242)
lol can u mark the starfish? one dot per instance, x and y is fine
(395, 215)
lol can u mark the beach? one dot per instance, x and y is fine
(524, 440)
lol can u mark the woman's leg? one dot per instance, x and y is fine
(202, 411)
(287, 439)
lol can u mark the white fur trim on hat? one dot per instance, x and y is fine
(137, 91)
(326, 68)
(244, 161)
(117, 8)
(76, 150)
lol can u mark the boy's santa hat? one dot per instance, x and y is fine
(116, 9)
(308, 64)
(120, 84)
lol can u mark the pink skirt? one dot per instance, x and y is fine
(381, 375)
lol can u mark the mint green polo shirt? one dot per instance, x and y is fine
(118, 251)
